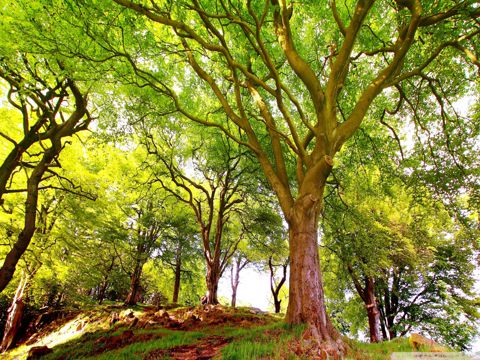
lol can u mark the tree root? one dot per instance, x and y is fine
(322, 346)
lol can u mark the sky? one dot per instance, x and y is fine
(253, 290)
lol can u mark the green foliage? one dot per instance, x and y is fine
(421, 258)
(402, 205)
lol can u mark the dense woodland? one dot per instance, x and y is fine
(150, 148)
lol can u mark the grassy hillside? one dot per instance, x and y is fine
(116, 332)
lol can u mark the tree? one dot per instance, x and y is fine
(180, 246)
(212, 190)
(239, 261)
(40, 248)
(268, 245)
(184, 247)
(39, 89)
(86, 261)
(136, 223)
(435, 297)
(294, 103)
(145, 230)
(276, 285)
(389, 244)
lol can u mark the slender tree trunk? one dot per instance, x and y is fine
(15, 314)
(389, 314)
(234, 281)
(178, 274)
(306, 296)
(393, 308)
(13, 159)
(391, 333)
(238, 264)
(57, 132)
(8, 268)
(372, 310)
(104, 285)
(132, 297)
(275, 288)
(384, 331)
(277, 303)
(8, 166)
(102, 291)
(381, 310)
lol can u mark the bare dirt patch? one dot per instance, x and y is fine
(207, 348)
(199, 317)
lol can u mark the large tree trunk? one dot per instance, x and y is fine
(306, 296)
(212, 278)
(372, 310)
(134, 292)
(178, 274)
(15, 314)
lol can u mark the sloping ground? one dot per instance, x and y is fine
(206, 332)
(106, 330)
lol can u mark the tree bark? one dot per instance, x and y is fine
(8, 268)
(367, 294)
(238, 264)
(306, 296)
(102, 291)
(234, 281)
(134, 292)
(12, 161)
(275, 288)
(212, 278)
(104, 285)
(372, 310)
(178, 274)
(56, 133)
(15, 314)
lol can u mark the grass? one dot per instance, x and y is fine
(83, 347)
(381, 350)
(263, 341)
(138, 350)
(247, 350)
(275, 340)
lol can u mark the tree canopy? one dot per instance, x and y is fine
(354, 115)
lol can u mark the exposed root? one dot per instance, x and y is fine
(321, 346)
